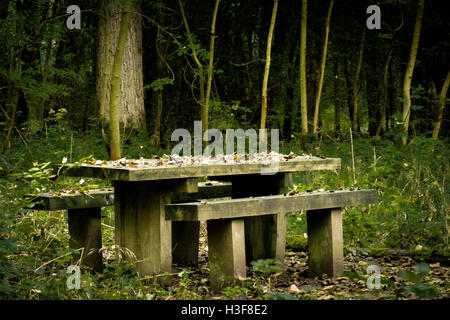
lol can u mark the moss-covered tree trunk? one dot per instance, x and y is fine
(205, 111)
(322, 70)
(267, 67)
(303, 95)
(441, 105)
(114, 108)
(106, 75)
(355, 125)
(409, 71)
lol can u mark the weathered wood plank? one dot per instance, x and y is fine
(246, 207)
(325, 242)
(217, 170)
(85, 232)
(95, 198)
(226, 252)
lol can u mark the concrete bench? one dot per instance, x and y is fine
(226, 233)
(84, 218)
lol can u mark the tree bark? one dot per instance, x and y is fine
(441, 105)
(322, 69)
(132, 111)
(409, 71)
(116, 81)
(267, 67)
(303, 95)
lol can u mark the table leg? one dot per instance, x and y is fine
(265, 236)
(141, 230)
(325, 242)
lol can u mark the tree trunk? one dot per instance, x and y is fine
(382, 121)
(441, 105)
(303, 95)
(205, 111)
(132, 111)
(409, 71)
(116, 81)
(267, 67)
(356, 84)
(105, 77)
(322, 69)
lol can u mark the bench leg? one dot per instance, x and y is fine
(85, 232)
(226, 252)
(325, 242)
(265, 236)
(185, 240)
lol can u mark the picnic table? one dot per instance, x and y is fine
(143, 188)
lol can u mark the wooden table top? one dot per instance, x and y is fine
(151, 169)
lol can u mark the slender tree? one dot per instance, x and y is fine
(322, 69)
(441, 105)
(382, 122)
(303, 96)
(267, 67)
(114, 112)
(204, 94)
(410, 69)
(205, 111)
(106, 75)
(356, 82)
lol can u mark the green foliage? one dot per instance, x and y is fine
(231, 292)
(411, 199)
(159, 84)
(266, 266)
(417, 281)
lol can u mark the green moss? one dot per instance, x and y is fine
(378, 252)
(296, 242)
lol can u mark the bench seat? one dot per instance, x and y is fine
(226, 232)
(256, 206)
(84, 218)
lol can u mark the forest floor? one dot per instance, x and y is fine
(402, 277)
